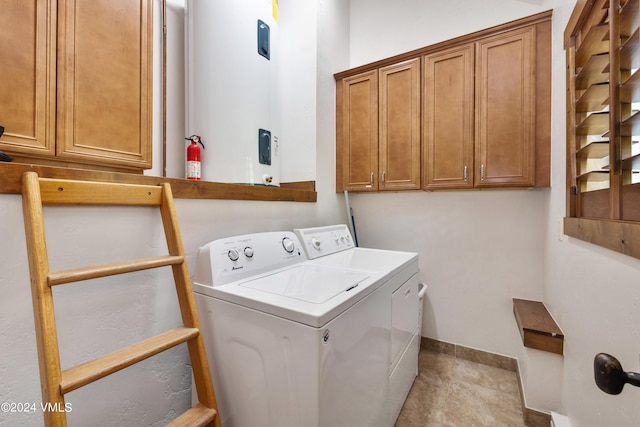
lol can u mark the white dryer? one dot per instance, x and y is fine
(293, 342)
(333, 246)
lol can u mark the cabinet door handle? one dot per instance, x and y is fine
(383, 176)
(464, 173)
(482, 173)
(371, 178)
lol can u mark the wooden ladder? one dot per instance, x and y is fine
(55, 382)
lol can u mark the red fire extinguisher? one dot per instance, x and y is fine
(193, 158)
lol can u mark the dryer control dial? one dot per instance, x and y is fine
(248, 252)
(288, 244)
(316, 242)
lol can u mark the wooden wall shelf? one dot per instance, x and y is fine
(537, 328)
(11, 183)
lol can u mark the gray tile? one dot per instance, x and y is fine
(454, 392)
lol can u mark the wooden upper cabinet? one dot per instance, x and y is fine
(449, 118)
(482, 116)
(505, 108)
(76, 82)
(378, 129)
(27, 85)
(399, 138)
(357, 155)
(104, 81)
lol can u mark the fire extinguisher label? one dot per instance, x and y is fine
(193, 170)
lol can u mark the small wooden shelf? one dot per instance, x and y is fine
(537, 328)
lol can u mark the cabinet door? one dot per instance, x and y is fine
(104, 81)
(27, 76)
(399, 136)
(505, 108)
(357, 155)
(449, 118)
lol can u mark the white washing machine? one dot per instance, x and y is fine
(293, 342)
(333, 246)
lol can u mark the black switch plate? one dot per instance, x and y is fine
(264, 47)
(264, 147)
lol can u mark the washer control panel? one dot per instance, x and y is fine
(233, 258)
(321, 241)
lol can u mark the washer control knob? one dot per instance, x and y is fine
(316, 242)
(233, 254)
(288, 244)
(248, 252)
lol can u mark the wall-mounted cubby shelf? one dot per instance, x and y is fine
(537, 328)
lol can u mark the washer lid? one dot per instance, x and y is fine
(310, 283)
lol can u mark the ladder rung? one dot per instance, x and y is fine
(71, 192)
(86, 273)
(197, 416)
(86, 373)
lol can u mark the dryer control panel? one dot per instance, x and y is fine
(321, 241)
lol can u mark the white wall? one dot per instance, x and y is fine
(99, 317)
(480, 249)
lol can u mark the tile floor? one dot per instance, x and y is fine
(455, 392)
